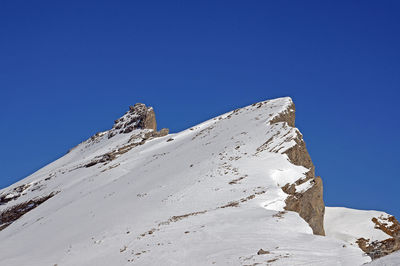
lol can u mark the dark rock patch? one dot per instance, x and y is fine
(10, 215)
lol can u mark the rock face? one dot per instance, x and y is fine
(139, 116)
(288, 116)
(149, 121)
(12, 214)
(132, 190)
(309, 204)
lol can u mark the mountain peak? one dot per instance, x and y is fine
(135, 195)
(138, 116)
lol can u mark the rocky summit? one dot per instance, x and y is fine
(238, 189)
(139, 116)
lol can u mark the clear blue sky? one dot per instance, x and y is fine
(69, 68)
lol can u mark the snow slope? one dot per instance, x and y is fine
(390, 260)
(350, 224)
(372, 227)
(209, 195)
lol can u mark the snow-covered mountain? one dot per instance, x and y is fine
(238, 189)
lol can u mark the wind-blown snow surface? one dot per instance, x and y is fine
(207, 196)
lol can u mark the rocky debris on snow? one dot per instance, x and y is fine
(10, 215)
(14, 194)
(135, 140)
(111, 167)
(235, 181)
(262, 252)
(279, 214)
(140, 118)
(180, 217)
(177, 218)
(388, 224)
(377, 249)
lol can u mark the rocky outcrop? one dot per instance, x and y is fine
(309, 204)
(287, 116)
(163, 132)
(14, 194)
(139, 116)
(134, 141)
(299, 155)
(149, 120)
(377, 249)
(9, 215)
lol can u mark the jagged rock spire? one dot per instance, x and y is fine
(139, 116)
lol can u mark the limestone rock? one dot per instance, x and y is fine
(309, 204)
(139, 116)
(150, 120)
(163, 132)
(376, 249)
(287, 116)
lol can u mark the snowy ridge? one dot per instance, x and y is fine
(209, 195)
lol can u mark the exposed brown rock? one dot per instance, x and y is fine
(309, 204)
(382, 223)
(134, 141)
(150, 120)
(377, 249)
(299, 155)
(180, 217)
(287, 116)
(263, 252)
(14, 194)
(139, 116)
(230, 204)
(163, 132)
